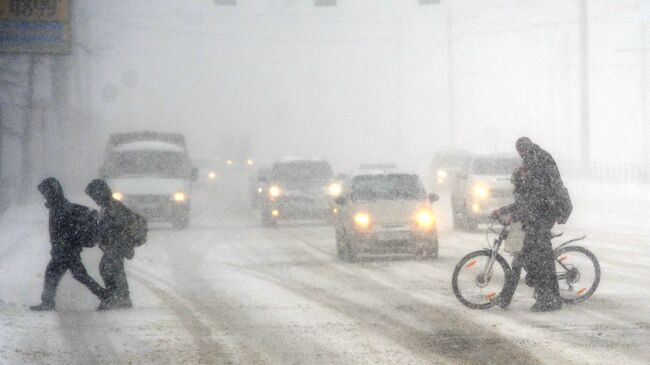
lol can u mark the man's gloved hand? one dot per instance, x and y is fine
(501, 215)
(496, 214)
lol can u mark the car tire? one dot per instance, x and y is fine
(180, 222)
(341, 246)
(457, 218)
(430, 253)
(268, 221)
(471, 224)
(350, 251)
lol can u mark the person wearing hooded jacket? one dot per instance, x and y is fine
(71, 228)
(112, 227)
(538, 212)
(517, 212)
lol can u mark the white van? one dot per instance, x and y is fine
(151, 173)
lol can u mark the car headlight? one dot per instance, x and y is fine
(275, 191)
(334, 189)
(212, 175)
(424, 218)
(260, 190)
(118, 196)
(442, 176)
(362, 220)
(180, 197)
(250, 162)
(481, 191)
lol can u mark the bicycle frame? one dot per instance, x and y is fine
(494, 251)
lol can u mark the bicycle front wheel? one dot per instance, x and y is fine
(578, 273)
(474, 284)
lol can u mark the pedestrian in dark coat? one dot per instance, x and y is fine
(517, 212)
(543, 184)
(112, 227)
(72, 227)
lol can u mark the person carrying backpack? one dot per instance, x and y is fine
(547, 201)
(72, 227)
(119, 231)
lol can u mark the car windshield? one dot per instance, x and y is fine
(453, 160)
(306, 170)
(387, 187)
(495, 166)
(148, 163)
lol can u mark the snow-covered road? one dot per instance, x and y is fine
(228, 291)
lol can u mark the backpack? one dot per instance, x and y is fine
(82, 227)
(135, 234)
(563, 205)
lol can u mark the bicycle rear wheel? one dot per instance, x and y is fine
(472, 287)
(578, 273)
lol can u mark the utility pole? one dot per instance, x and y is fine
(451, 124)
(27, 131)
(584, 89)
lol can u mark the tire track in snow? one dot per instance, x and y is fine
(450, 338)
(554, 327)
(209, 350)
(84, 344)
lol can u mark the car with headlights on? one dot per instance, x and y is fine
(385, 213)
(482, 186)
(151, 173)
(445, 166)
(298, 189)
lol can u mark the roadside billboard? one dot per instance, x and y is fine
(35, 26)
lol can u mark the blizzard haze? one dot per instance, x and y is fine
(259, 250)
(368, 80)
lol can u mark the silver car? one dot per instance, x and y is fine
(385, 213)
(482, 186)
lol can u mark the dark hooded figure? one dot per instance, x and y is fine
(71, 227)
(538, 214)
(521, 212)
(112, 226)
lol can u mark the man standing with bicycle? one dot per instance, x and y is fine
(545, 202)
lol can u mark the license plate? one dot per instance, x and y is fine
(393, 236)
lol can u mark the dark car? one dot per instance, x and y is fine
(296, 189)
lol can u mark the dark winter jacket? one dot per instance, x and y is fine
(521, 207)
(536, 197)
(543, 183)
(71, 226)
(113, 221)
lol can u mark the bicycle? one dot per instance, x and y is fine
(476, 282)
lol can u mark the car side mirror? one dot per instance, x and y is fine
(339, 200)
(433, 197)
(194, 174)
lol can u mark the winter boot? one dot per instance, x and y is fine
(42, 307)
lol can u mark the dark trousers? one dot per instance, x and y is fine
(540, 262)
(111, 268)
(513, 279)
(57, 267)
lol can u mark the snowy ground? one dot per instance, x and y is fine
(229, 292)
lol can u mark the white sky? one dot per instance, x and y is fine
(367, 80)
